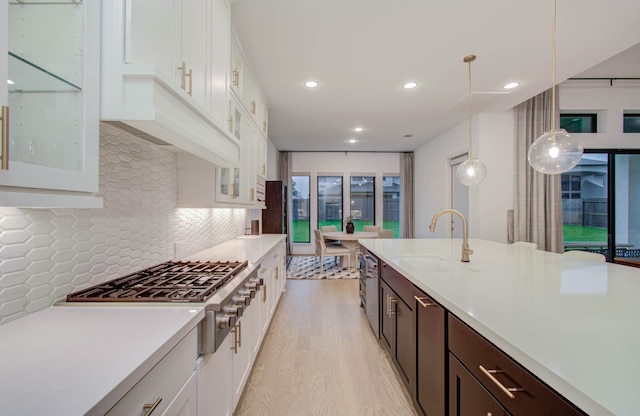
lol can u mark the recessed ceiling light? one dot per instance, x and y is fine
(410, 85)
(511, 85)
(311, 84)
(358, 129)
(352, 140)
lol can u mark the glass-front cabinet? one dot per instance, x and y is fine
(52, 63)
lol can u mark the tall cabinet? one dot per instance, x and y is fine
(274, 217)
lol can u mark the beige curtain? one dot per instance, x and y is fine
(284, 174)
(406, 195)
(538, 197)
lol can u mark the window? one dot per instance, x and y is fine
(363, 201)
(631, 123)
(570, 186)
(579, 123)
(391, 204)
(300, 209)
(330, 201)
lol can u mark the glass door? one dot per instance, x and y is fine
(600, 203)
(585, 204)
(52, 86)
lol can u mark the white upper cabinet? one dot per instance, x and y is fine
(50, 61)
(246, 88)
(219, 75)
(164, 74)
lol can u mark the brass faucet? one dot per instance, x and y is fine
(466, 251)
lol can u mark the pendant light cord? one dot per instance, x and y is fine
(553, 71)
(468, 59)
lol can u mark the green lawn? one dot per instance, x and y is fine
(580, 233)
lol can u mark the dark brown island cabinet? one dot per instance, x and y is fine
(447, 367)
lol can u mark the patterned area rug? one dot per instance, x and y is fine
(302, 267)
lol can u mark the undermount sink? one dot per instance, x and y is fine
(435, 264)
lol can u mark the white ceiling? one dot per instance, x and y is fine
(362, 51)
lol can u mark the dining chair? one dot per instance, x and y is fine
(323, 250)
(331, 229)
(385, 234)
(587, 255)
(371, 228)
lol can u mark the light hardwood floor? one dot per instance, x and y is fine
(320, 357)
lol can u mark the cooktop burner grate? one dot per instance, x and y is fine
(165, 282)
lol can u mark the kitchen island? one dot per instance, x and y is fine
(572, 323)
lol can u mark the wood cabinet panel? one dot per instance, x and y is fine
(398, 330)
(467, 396)
(431, 356)
(531, 397)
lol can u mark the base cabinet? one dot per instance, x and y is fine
(223, 375)
(430, 356)
(467, 396)
(448, 367)
(170, 386)
(398, 330)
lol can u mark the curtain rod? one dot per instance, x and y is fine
(611, 79)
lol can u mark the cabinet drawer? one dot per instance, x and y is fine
(398, 283)
(164, 381)
(476, 354)
(467, 396)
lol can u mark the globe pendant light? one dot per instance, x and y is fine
(472, 171)
(555, 151)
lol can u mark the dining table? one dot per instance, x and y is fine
(350, 240)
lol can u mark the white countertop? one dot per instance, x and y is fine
(77, 359)
(572, 322)
(248, 247)
(74, 360)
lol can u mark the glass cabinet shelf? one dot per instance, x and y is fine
(26, 76)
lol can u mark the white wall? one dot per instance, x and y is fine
(489, 201)
(609, 102)
(343, 164)
(493, 141)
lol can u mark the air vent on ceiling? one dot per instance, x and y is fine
(408, 136)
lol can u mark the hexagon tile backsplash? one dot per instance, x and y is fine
(47, 253)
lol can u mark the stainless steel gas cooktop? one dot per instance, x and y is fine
(173, 281)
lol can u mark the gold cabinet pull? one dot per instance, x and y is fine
(4, 157)
(183, 69)
(236, 78)
(264, 293)
(149, 408)
(264, 126)
(424, 302)
(234, 344)
(190, 75)
(392, 310)
(507, 390)
(253, 107)
(239, 340)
